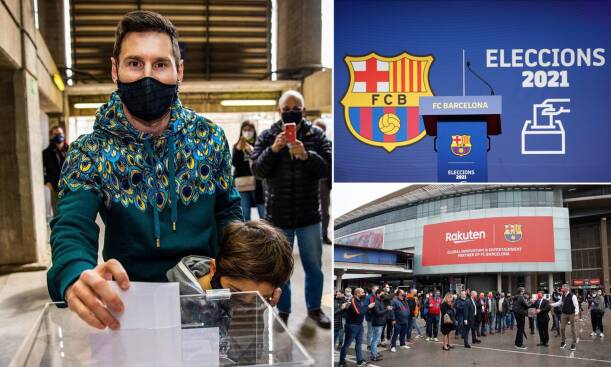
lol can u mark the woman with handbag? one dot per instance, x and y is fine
(251, 189)
(448, 320)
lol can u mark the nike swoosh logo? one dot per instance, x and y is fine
(346, 256)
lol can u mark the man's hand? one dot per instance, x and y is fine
(371, 305)
(345, 305)
(48, 184)
(389, 308)
(299, 151)
(465, 322)
(92, 298)
(279, 143)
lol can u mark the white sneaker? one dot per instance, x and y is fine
(435, 339)
(393, 349)
(593, 333)
(418, 336)
(405, 347)
(602, 335)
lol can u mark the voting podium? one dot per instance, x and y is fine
(461, 126)
(230, 329)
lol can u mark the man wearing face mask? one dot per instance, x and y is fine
(291, 170)
(158, 174)
(52, 160)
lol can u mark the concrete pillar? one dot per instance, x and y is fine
(299, 34)
(550, 282)
(509, 285)
(604, 253)
(338, 279)
(499, 282)
(51, 27)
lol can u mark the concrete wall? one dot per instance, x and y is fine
(26, 89)
(299, 33)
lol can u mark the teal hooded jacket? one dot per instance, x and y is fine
(160, 197)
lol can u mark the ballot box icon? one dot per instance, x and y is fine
(545, 133)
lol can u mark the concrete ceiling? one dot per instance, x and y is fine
(219, 39)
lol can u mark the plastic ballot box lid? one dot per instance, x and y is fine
(216, 329)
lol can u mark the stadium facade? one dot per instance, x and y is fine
(485, 237)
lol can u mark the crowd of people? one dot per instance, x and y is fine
(381, 316)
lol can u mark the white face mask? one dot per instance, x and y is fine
(248, 134)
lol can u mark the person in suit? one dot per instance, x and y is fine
(469, 319)
(542, 307)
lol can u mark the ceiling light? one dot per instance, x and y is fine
(248, 102)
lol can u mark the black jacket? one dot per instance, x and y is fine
(241, 162)
(378, 313)
(338, 313)
(520, 306)
(544, 307)
(469, 312)
(52, 161)
(291, 185)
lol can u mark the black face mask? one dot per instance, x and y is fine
(292, 116)
(58, 139)
(147, 99)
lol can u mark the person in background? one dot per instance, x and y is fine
(400, 317)
(389, 327)
(53, 158)
(570, 313)
(597, 312)
(251, 189)
(459, 311)
(325, 185)
(557, 311)
(484, 306)
(370, 298)
(501, 313)
(492, 305)
(291, 172)
(510, 319)
(347, 299)
(520, 306)
(448, 319)
(355, 314)
(434, 310)
(378, 320)
(470, 311)
(412, 301)
(339, 311)
(531, 316)
(542, 308)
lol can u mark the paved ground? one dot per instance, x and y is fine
(23, 295)
(498, 350)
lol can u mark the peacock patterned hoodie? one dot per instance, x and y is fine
(141, 185)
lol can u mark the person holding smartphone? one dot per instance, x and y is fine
(291, 157)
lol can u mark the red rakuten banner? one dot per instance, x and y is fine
(489, 240)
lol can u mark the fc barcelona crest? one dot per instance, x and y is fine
(461, 145)
(513, 232)
(381, 103)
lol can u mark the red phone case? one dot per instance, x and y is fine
(289, 132)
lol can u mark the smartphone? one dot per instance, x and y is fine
(290, 132)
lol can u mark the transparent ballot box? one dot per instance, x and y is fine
(217, 329)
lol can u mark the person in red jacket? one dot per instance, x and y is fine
(432, 321)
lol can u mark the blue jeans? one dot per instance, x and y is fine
(369, 332)
(432, 326)
(459, 323)
(500, 322)
(401, 332)
(247, 201)
(354, 332)
(510, 319)
(309, 240)
(490, 323)
(375, 339)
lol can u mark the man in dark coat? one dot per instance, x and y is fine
(291, 166)
(520, 309)
(469, 319)
(543, 307)
(53, 158)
